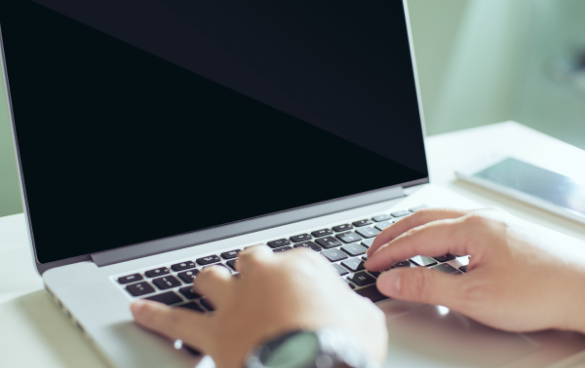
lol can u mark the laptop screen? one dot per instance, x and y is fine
(143, 119)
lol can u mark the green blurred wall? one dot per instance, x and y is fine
(469, 56)
(10, 202)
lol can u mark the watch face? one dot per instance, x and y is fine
(298, 351)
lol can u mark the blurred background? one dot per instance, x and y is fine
(479, 62)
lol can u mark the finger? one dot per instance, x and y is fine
(422, 285)
(455, 236)
(215, 283)
(309, 261)
(251, 256)
(174, 323)
(419, 218)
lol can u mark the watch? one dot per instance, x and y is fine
(325, 348)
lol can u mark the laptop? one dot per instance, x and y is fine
(157, 138)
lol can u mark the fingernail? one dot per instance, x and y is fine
(390, 283)
(137, 307)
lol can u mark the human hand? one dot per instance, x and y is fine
(277, 293)
(510, 284)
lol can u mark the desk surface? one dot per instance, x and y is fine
(34, 332)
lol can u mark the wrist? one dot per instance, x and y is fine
(573, 318)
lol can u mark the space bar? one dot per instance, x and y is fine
(371, 292)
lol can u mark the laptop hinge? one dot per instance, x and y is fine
(135, 251)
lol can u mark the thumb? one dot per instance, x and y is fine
(175, 323)
(421, 285)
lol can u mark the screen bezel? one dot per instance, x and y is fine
(245, 226)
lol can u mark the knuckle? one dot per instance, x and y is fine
(254, 255)
(474, 291)
(411, 232)
(483, 220)
(477, 220)
(418, 283)
(206, 273)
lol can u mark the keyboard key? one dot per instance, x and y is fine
(188, 276)
(401, 213)
(463, 268)
(283, 249)
(300, 238)
(342, 228)
(375, 274)
(349, 237)
(183, 266)
(130, 278)
(308, 244)
(414, 209)
(368, 242)
(140, 289)
(232, 264)
(446, 268)
(361, 279)
(381, 218)
(368, 232)
(328, 242)
(157, 272)
(207, 304)
(321, 233)
(167, 298)
(334, 255)
(166, 282)
(353, 264)
(207, 260)
(342, 271)
(423, 261)
(362, 223)
(365, 257)
(352, 286)
(189, 293)
(382, 225)
(354, 249)
(372, 293)
(230, 254)
(278, 243)
(193, 306)
(403, 264)
(445, 258)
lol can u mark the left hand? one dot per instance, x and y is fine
(277, 293)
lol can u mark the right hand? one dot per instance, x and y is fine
(510, 284)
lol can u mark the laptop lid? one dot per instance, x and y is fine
(157, 125)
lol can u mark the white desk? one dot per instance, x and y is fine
(33, 331)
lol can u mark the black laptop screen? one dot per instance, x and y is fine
(142, 119)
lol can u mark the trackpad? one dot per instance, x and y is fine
(433, 336)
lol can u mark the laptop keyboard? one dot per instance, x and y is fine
(344, 245)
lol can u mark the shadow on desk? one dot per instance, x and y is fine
(41, 335)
